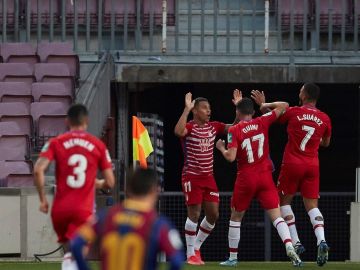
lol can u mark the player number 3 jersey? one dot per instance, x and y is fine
(77, 155)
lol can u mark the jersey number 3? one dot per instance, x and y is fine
(310, 131)
(78, 179)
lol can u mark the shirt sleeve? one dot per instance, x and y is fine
(268, 118)
(48, 151)
(232, 137)
(328, 129)
(105, 159)
(188, 127)
(286, 115)
(219, 127)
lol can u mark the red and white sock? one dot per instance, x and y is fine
(286, 211)
(204, 231)
(283, 231)
(317, 220)
(234, 239)
(190, 235)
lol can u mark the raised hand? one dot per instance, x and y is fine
(237, 96)
(189, 103)
(258, 97)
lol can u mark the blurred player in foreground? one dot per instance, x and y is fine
(248, 143)
(78, 155)
(131, 234)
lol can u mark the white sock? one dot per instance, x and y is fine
(204, 231)
(234, 239)
(190, 235)
(283, 231)
(68, 263)
(286, 211)
(317, 221)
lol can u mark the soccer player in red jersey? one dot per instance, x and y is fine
(78, 155)
(308, 128)
(131, 233)
(198, 183)
(248, 143)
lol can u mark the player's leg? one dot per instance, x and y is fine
(61, 221)
(310, 193)
(211, 209)
(193, 213)
(269, 200)
(284, 233)
(240, 201)
(193, 200)
(317, 221)
(234, 237)
(289, 178)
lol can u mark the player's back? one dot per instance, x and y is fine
(306, 127)
(131, 236)
(252, 142)
(77, 156)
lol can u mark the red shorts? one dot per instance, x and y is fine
(67, 222)
(198, 189)
(294, 177)
(259, 185)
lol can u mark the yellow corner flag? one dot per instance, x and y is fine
(142, 146)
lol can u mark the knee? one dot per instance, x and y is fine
(289, 218)
(212, 217)
(194, 216)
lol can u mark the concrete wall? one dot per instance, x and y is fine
(236, 73)
(24, 229)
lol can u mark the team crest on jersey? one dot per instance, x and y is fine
(229, 137)
(45, 147)
(204, 144)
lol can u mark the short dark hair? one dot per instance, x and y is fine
(141, 181)
(200, 99)
(77, 114)
(245, 106)
(312, 91)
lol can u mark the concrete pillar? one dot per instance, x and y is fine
(355, 232)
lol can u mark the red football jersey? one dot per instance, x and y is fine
(252, 142)
(198, 147)
(78, 155)
(306, 126)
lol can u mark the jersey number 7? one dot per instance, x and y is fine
(246, 144)
(310, 131)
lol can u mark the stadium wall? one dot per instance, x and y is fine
(25, 230)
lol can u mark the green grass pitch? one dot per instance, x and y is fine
(207, 266)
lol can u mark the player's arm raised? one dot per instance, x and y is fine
(39, 180)
(237, 97)
(259, 98)
(229, 154)
(180, 128)
(279, 107)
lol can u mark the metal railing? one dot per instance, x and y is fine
(187, 27)
(95, 93)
